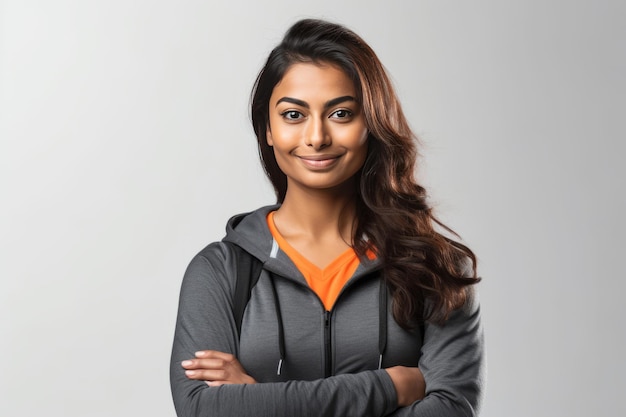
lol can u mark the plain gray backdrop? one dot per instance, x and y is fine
(126, 145)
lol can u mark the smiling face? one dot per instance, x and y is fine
(316, 127)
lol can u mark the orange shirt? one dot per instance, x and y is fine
(326, 282)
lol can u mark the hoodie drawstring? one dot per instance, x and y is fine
(281, 333)
(382, 321)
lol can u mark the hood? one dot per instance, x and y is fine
(250, 231)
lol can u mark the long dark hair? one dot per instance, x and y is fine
(427, 272)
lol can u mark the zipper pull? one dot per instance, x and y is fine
(280, 367)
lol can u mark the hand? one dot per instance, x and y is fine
(409, 383)
(216, 368)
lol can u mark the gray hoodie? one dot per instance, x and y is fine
(309, 361)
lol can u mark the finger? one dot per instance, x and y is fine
(207, 375)
(215, 354)
(204, 364)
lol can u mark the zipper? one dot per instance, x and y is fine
(328, 353)
(327, 345)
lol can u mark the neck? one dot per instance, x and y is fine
(320, 215)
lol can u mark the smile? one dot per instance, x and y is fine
(319, 162)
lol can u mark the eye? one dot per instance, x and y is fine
(292, 115)
(341, 114)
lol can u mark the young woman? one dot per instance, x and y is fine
(362, 308)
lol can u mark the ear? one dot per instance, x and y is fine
(268, 137)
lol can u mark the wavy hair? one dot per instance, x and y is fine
(429, 274)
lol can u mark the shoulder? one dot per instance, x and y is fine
(211, 268)
(214, 268)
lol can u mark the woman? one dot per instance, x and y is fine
(361, 308)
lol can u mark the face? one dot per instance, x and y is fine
(316, 127)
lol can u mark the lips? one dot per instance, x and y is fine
(319, 161)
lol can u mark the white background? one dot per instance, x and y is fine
(126, 145)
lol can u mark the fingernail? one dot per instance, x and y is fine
(190, 373)
(186, 363)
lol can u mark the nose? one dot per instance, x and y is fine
(316, 136)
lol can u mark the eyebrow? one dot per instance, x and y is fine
(304, 104)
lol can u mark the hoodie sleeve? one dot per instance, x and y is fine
(205, 321)
(452, 363)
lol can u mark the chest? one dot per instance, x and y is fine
(320, 343)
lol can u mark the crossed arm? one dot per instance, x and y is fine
(218, 368)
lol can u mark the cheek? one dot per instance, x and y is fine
(364, 137)
(282, 161)
(358, 139)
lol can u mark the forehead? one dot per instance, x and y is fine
(314, 80)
